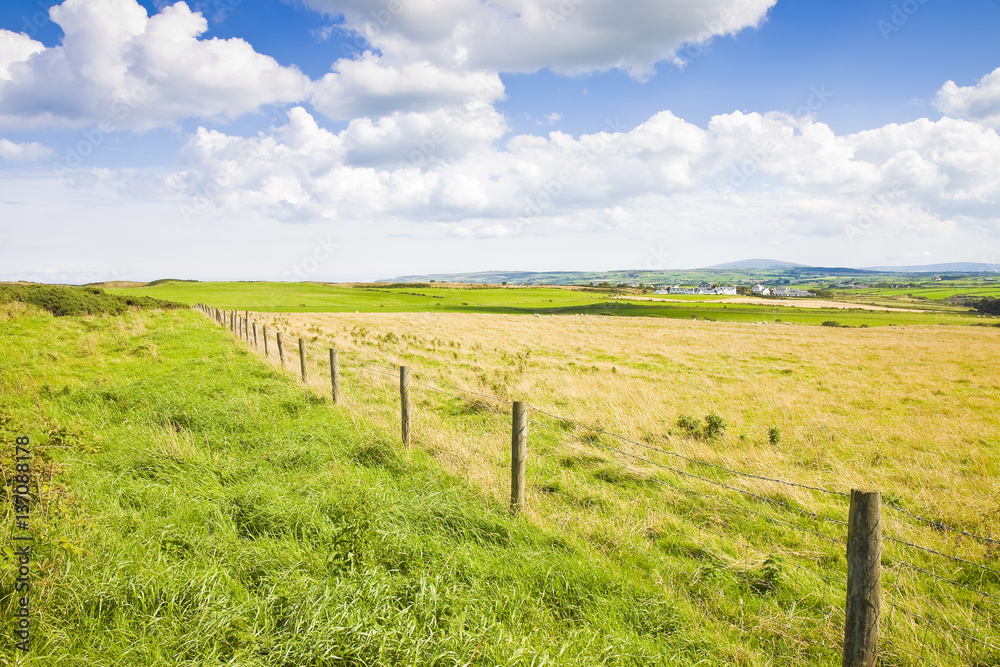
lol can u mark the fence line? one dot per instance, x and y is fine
(241, 328)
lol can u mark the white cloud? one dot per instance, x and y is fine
(980, 103)
(118, 65)
(796, 176)
(568, 36)
(15, 48)
(29, 152)
(371, 86)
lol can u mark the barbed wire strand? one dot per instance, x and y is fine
(751, 494)
(946, 580)
(929, 621)
(722, 485)
(957, 559)
(943, 526)
(688, 458)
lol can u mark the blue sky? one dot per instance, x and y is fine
(245, 139)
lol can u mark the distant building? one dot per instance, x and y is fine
(791, 291)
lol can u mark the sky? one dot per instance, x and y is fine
(365, 139)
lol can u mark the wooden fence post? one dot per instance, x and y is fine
(255, 335)
(864, 549)
(518, 452)
(302, 358)
(281, 351)
(404, 402)
(334, 374)
(266, 354)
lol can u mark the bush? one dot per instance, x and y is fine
(988, 305)
(831, 323)
(691, 427)
(714, 426)
(63, 300)
(773, 435)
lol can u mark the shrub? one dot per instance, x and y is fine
(63, 300)
(988, 305)
(714, 426)
(774, 435)
(689, 425)
(831, 323)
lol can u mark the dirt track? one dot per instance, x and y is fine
(798, 303)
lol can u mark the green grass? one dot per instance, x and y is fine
(197, 508)
(316, 297)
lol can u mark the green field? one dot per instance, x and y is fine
(318, 298)
(197, 506)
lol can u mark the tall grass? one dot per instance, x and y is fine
(194, 506)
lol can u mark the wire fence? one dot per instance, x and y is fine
(974, 585)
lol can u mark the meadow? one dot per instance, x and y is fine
(910, 411)
(479, 299)
(196, 504)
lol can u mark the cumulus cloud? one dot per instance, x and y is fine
(373, 87)
(29, 152)
(793, 175)
(116, 64)
(15, 47)
(980, 102)
(568, 36)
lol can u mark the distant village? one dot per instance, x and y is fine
(709, 289)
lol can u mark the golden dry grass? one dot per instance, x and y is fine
(912, 410)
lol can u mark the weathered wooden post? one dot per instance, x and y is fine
(302, 358)
(404, 402)
(518, 453)
(334, 374)
(266, 354)
(255, 344)
(864, 549)
(281, 351)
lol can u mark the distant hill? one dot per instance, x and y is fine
(755, 264)
(954, 267)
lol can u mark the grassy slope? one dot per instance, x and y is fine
(314, 297)
(197, 507)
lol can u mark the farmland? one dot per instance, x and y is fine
(319, 298)
(647, 537)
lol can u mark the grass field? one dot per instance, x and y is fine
(196, 506)
(910, 411)
(319, 298)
